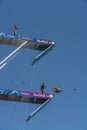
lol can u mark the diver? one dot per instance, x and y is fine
(43, 86)
(57, 90)
(15, 30)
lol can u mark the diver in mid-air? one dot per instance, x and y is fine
(56, 89)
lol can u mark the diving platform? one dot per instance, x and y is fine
(23, 96)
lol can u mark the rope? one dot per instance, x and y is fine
(31, 84)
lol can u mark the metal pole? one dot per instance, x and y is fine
(34, 112)
(42, 54)
(8, 58)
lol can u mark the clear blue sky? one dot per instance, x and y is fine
(65, 22)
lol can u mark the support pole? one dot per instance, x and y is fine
(9, 57)
(34, 112)
(42, 54)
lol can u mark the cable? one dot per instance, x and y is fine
(31, 84)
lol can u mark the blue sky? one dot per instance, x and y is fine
(65, 22)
